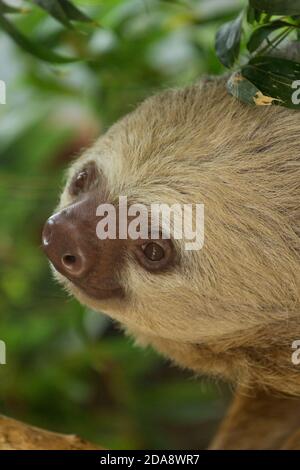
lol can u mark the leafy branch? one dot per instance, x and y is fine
(249, 45)
(262, 76)
(63, 11)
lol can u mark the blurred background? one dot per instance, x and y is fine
(68, 368)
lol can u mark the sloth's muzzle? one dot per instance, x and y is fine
(70, 241)
(64, 245)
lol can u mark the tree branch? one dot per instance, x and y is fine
(15, 435)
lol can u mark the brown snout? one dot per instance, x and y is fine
(64, 243)
(70, 241)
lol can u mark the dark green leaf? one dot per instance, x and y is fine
(73, 13)
(262, 32)
(275, 65)
(274, 77)
(228, 40)
(31, 47)
(277, 7)
(251, 14)
(255, 16)
(63, 11)
(54, 8)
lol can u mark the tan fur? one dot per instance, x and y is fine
(231, 309)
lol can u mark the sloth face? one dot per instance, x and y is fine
(194, 146)
(133, 280)
(91, 264)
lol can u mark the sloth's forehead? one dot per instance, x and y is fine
(161, 145)
(153, 180)
(123, 170)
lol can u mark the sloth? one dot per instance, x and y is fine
(230, 310)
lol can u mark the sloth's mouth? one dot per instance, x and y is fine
(99, 293)
(89, 286)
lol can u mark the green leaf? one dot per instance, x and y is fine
(63, 11)
(31, 47)
(73, 13)
(228, 41)
(4, 8)
(252, 15)
(242, 88)
(54, 8)
(277, 7)
(256, 16)
(262, 32)
(274, 77)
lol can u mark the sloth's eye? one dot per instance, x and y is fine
(84, 179)
(155, 255)
(80, 180)
(153, 251)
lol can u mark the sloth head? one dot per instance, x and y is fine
(191, 146)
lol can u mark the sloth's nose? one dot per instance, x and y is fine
(63, 245)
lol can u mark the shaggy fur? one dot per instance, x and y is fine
(231, 309)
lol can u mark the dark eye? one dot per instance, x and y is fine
(79, 181)
(153, 251)
(155, 255)
(84, 179)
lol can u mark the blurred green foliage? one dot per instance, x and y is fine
(68, 368)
